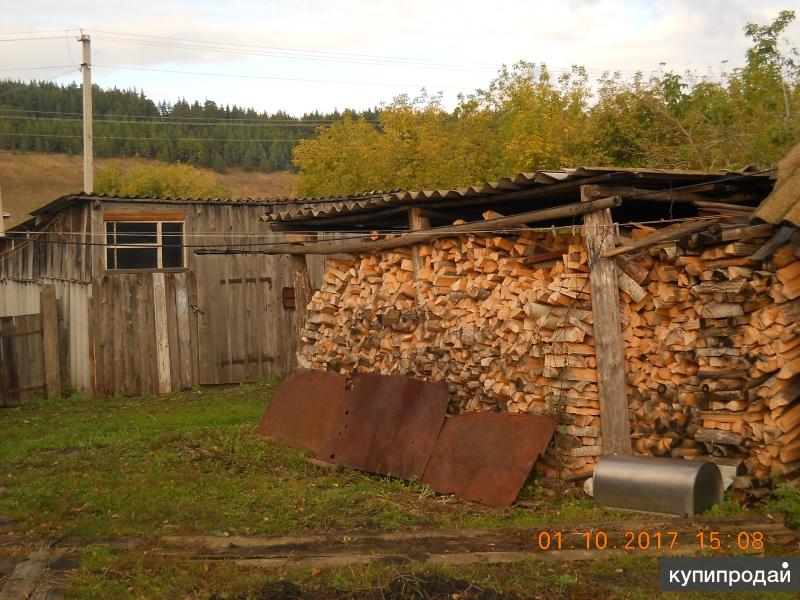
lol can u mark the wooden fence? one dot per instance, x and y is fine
(23, 297)
(29, 353)
(155, 332)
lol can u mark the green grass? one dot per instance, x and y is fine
(189, 463)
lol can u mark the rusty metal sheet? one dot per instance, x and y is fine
(388, 424)
(304, 409)
(486, 457)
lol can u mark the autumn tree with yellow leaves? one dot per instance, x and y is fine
(527, 120)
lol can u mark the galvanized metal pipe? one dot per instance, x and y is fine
(657, 485)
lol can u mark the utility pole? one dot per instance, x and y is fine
(88, 149)
(2, 217)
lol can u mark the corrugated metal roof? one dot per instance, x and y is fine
(297, 209)
(69, 198)
(310, 208)
(64, 201)
(782, 206)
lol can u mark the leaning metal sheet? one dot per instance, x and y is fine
(304, 409)
(388, 425)
(486, 457)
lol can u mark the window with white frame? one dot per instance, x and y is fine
(137, 245)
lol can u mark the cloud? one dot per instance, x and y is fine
(624, 35)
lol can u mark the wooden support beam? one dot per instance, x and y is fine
(779, 238)
(52, 364)
(669, 233)
(679, 196)
(427, 235)
(164, 370)
(417, 222)
(612, 388)
(302, 290)
(723, 206)
(746, 233)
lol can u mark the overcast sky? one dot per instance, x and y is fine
(304, 55)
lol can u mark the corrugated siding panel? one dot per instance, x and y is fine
(23, 297)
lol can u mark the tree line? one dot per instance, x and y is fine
(42, 116)
(527, 119)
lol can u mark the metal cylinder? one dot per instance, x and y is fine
(657, 485)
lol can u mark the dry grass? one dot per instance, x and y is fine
(30, 180)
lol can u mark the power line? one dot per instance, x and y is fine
(344, 235)
(378, 62)
(37, 68)
(37, 31)
(22, 87)
(169, 139)
(29, 39)
(157, 121)
(355, 233)
(171, 118)
(142, 38)
(336, 55)
(271, 78)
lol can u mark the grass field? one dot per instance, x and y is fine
(30, 180)
(189, 463)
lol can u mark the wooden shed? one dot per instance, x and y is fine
(138, 310)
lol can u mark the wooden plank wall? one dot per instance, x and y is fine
(74, 334)
(251, 337)
(22, 368)
(19, 297)
(56, 250)
(22, 297)
(134, 355)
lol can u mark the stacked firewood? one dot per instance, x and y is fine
(711, 356)
(711, 339)
(505, 320)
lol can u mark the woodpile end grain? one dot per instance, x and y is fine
(711, 340)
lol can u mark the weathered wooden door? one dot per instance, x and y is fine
(22, 370)
(245, 331)
(144, 333)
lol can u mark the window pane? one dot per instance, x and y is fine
(109, 233)
(137, 233)
(137, 258)
(172, 256)
(111, 256)
(172, 245)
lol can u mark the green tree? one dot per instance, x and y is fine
(159, 180)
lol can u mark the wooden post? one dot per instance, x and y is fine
(417, 222)
(2, 216)
(599, 234)
(302, 290)
(52, 364)
(164, 369)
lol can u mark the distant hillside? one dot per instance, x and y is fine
(42, 116)
(29, 180)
